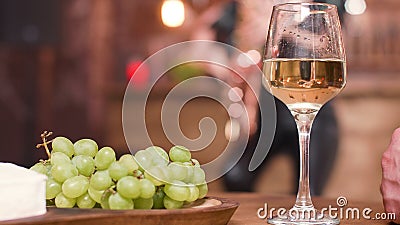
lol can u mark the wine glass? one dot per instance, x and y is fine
(304, 67)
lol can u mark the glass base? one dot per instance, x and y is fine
(319, 219)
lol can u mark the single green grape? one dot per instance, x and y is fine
(40, 168)
(58, 158)
(177, 171)
(162, 153)
(203, 189)
(177, 190)
(159, 175)
(143, 203)
(64, 145)
(62, 172)
(129, 163)
(143, 159)
(95, 194)
(193, 193)
(170, 203)
(85, 201)
(75, 186)
(63, 201)
(179, 154)
(117, 170)
(147, 188)
(100, 180)
(84, 164)
(198, 176)
(129, 187)
(158, 199)
(53, 188)
(86, 147)
(104, 158)
(116, 201)
(158, 155)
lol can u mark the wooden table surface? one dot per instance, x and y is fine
(251, 202)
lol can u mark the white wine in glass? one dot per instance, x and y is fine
(304, 67)
(305, 83)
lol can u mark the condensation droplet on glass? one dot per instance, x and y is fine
(305, 38)
(290, 32)
(298, 36)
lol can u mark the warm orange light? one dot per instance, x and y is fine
(173, 13)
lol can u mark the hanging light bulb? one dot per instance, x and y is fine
(173, 13)
(355, 7)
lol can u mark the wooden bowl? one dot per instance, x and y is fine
(210, 210)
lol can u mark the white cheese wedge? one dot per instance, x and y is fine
(22, 192)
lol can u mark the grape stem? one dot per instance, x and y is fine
(45, 135)
(138, 174)
(112, 189)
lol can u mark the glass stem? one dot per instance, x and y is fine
(304, 123)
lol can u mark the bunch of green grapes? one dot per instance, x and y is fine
(81, 175)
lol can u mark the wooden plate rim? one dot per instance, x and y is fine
(225, 204)
(78, 214)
